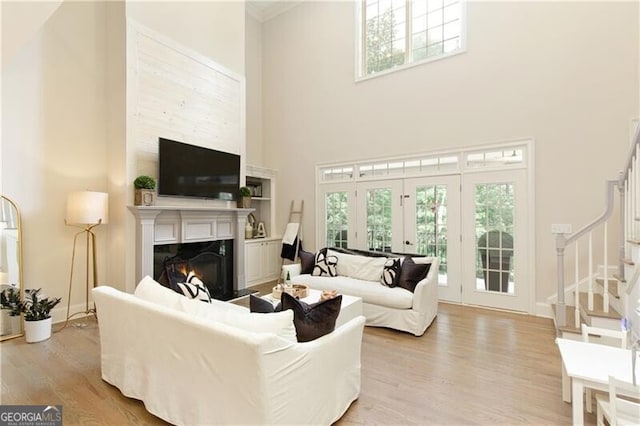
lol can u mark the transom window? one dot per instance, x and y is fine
(397, 33)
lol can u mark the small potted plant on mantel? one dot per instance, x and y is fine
(244, 201)
(144, 190)
(37, 315)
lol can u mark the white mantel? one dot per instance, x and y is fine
(157, 225)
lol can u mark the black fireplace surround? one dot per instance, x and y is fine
(211, 261)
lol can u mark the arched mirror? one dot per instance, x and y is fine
(11, 285)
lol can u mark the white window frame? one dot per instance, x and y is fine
(360, 51)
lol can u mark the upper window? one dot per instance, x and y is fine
(404, 32)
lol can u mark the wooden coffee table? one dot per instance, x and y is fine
(350, 308)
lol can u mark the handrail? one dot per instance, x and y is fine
(606, 214)
(631, 155)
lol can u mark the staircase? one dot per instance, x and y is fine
(599, 265)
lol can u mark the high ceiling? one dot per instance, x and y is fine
(263, 10)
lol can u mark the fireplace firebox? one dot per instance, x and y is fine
(211, 261)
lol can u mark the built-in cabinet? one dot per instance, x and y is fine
(263, 260)
(262, 255)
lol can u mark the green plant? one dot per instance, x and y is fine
(35, 307)
(245, 191)
(10, 299)
(144, 182)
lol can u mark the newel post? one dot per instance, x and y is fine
(561, 310)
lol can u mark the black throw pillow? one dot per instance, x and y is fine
(262, 306)
(412, 273)
(314, 320)
(307, 261)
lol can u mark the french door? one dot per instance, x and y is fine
(379, 210)
(432, 227)
(495, 226)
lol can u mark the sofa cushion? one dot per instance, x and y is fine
(152, 291)
(314, 320)
(307, 261)
(370, 291)
(411, 273)
(279, 323)
(356, 266)
(391, 272)
(325, 264)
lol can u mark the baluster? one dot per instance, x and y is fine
(590, 274)
(605, 295)
(576, 311)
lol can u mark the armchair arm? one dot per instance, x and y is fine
(426, 292)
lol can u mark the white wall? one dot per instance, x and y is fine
(213, 28)
(536, 69)
(65, 127)
(53, 133)
(253, 65)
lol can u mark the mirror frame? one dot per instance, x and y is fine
(20, 274)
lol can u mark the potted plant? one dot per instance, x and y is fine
(10, 307)
(144, 190)
(244, 201)
(37, 315)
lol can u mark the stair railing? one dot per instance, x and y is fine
(628, 185)
(563, 241)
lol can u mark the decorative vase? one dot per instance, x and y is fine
(143, 197)
(5, 322)
(244, 202)
(37, 331)
(15, 321)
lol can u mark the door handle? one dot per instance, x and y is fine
(408, 243)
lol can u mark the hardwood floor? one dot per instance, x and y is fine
(472, 366)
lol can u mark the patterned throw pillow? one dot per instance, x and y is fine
(194, 288)
(391, 272)
(325, 265)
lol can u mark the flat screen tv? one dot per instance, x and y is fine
(193, 171)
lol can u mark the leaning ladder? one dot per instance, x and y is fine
(293, 215)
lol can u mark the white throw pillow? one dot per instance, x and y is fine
(360, 267)
(278, 323)
(152, 291)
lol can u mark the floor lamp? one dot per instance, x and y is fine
(86, 210)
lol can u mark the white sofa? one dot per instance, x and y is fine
(189, 366)
(383, 306)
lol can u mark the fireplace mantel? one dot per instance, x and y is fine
(157, 225)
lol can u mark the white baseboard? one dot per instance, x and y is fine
(59, 313)
(543, 310)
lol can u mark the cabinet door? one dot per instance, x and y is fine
(272, 260)
(253, 267)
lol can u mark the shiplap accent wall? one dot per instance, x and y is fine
(182, 95)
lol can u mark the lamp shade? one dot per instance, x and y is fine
(87, 207)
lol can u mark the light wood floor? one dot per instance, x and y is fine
(472, 366)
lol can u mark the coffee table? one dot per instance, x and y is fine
(350, 308)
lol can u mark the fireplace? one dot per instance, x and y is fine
(175, 228)
(211, 261)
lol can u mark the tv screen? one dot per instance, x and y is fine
(193, 171)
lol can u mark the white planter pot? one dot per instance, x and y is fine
(5, 322)
(37, 331)
(15, 324)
